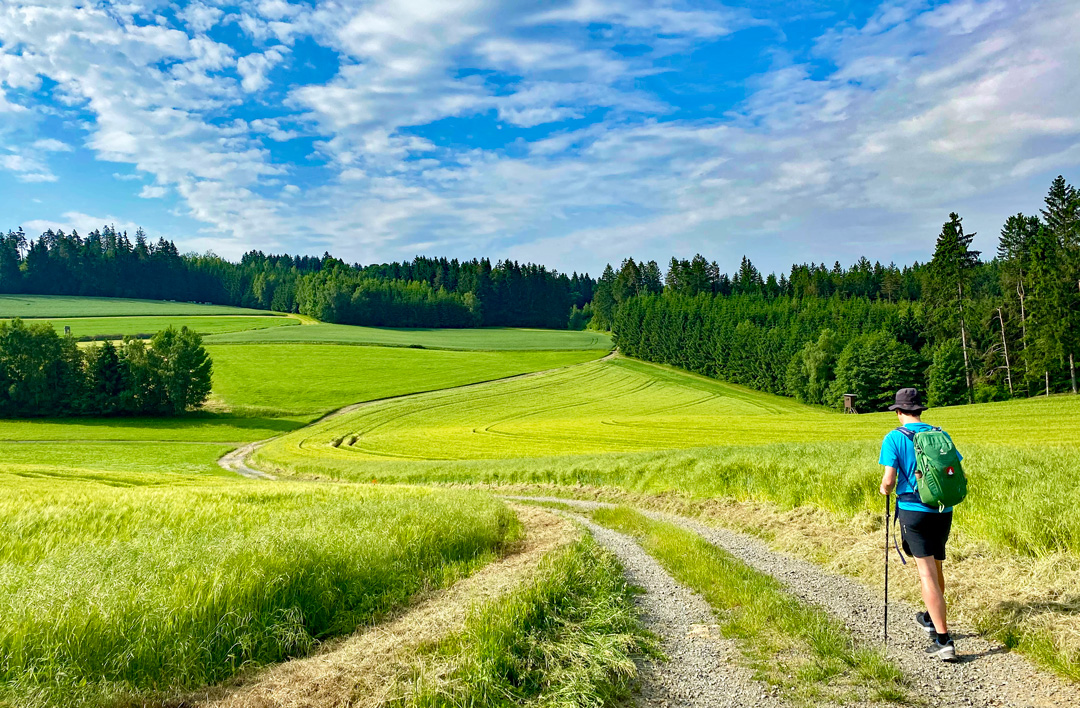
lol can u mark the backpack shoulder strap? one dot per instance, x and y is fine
(910, 435)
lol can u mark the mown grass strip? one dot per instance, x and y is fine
(567, 638)
(808, 655)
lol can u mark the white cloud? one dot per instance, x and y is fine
(153, 192)
(200, 16)
(52, 145)
(27, 168)
(79, 221)
(253, 68)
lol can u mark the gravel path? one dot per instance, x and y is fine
(703, 668)
(986, 675)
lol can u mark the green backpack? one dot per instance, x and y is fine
(938, 472)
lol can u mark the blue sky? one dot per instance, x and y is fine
(569, 132)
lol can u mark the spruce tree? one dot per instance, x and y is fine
(1014, 254)
(950, 272)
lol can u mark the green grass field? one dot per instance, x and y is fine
(464, 339)
(134, 566)
(311, 379)
(118, 327)
(635, 425)
(259, 392)
(628, 426)
(57, 306)
(110, 594)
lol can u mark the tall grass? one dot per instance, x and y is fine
(567, 638)
(118, 593)
(810, 655)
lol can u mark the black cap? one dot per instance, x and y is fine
(908, 400)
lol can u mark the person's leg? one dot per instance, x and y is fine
(933, 596)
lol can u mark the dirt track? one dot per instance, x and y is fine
(366, 669)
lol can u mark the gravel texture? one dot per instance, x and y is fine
(703, 667)
(236, 461)
(987, 674)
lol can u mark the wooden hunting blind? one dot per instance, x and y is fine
(849, 403)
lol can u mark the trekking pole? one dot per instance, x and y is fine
(885, 627)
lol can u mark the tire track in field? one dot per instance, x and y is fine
(426, 403)
(236, 460)
(375, 665)
(987, 675)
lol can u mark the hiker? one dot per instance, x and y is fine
(924, 527)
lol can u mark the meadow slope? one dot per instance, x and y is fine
(134, 568)
(754, 445)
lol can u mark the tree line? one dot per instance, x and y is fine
(963, 328)
(423, 292)
(44, 374)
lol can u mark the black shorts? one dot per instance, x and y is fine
(924, 533)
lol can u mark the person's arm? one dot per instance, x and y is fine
(890, 460)
(888, 481)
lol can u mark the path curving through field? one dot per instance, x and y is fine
(236, 461)
(988, 674)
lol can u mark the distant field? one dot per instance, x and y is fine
(311, 379)
(57, 306)
(109, 595)
(472, 339)
(134, 325)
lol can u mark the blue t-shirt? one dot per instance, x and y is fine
(899, 452)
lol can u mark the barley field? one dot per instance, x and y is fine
(112, 590)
